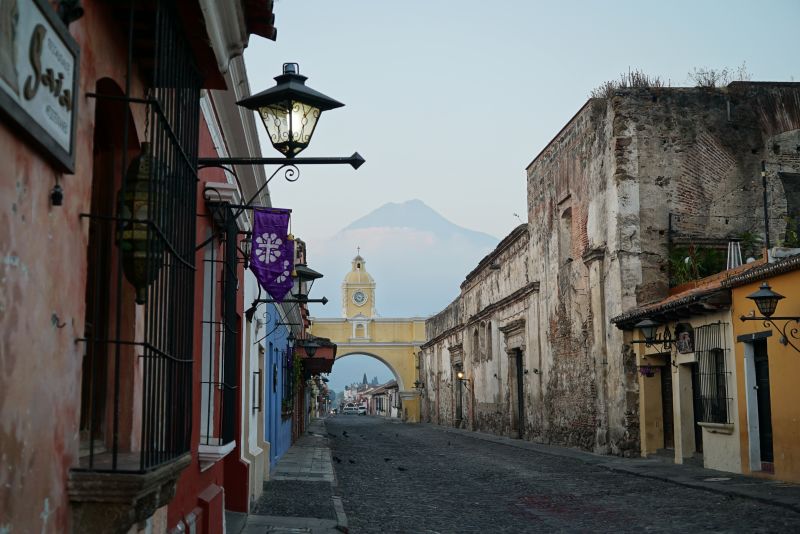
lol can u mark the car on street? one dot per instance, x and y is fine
(350, 409)
(362, 410)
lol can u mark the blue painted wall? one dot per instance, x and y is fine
(278, 431)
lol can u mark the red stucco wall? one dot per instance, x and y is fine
(230, 473)
(43, 262)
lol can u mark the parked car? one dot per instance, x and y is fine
(362, 410)
(350, 409)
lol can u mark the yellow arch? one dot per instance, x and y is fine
(388, 364)
(395, 342)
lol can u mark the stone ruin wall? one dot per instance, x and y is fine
(599, 201)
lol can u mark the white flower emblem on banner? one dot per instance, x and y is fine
(285, 274)
(268, 247)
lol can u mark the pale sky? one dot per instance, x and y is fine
(449, 100)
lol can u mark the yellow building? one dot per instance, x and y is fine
(687, 383)
(718, 382)
(393, 341)
(767, 370)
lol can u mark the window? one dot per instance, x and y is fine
(209, 371)
(714, 400)
(136, 392)
(489, 340)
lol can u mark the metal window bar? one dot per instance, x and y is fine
(257, 387)
(711, 356)
(287, 375)
(153, 343)
(213, 336)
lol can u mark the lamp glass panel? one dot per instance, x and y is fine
(649, 332)
(767, 305)
(648, 329)
(290, 125)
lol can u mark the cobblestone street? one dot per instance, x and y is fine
(394, 477)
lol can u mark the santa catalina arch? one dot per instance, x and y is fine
(394, 341)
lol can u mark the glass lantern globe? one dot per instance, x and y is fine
(648, 329)
(290, 110)
(766, 299)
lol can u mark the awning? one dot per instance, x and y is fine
(323, 358)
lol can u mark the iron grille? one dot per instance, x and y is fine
(220, 325)
(711, 356)
(137, 383)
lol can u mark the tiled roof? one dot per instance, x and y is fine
(705, 295)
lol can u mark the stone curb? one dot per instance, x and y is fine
(617, 465)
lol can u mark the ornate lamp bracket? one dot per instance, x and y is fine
(789, 328)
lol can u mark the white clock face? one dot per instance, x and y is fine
(359, 297)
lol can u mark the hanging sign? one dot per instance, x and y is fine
(272, 251)
(39, 77)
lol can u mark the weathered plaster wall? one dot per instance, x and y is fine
(600, 197)
(571, 190)
(43, 251)
(468, 332)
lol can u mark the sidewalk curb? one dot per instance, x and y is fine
(338, 506)
(612, 463)
(341, 517)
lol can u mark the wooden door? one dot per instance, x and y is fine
(762, 394)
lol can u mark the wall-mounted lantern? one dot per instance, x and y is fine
(290, 110)
(767, 302)
(140, 243)
(648, 328)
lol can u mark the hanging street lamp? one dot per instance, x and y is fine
(648, 329)
(290, 110)
(767, 302)
(305, 278)
(766, 299)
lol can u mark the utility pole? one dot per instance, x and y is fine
(766, 210)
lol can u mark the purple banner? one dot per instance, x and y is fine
(272, 253)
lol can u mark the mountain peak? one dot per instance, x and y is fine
(413, 214)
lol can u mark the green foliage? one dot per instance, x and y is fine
(791, 237)
(708, 77)
(692, 263)
(297, 368)
(633, 78)
(750, 244)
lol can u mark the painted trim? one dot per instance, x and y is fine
(717, 428)
(753, 337)
(751, 400)
(211, 454)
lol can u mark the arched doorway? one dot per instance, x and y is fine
(109, 305)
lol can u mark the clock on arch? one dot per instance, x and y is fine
(359, 298)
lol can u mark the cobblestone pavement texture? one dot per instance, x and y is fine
(416, 478)
(296, 498)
